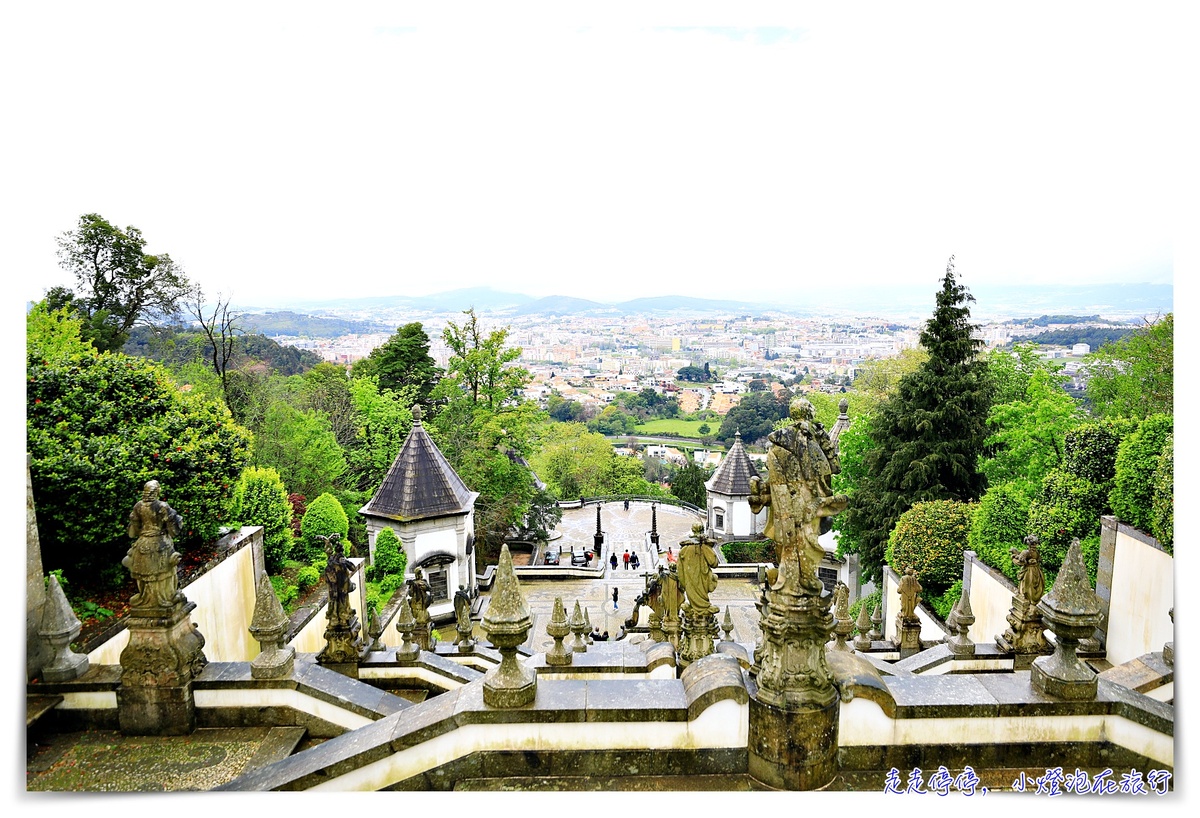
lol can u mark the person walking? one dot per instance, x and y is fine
(613, 561)
(625, 559)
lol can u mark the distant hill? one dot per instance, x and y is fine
(481, 298)
(563, 305)
(306, 326)
(685, 303)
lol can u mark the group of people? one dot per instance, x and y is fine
(628, 559)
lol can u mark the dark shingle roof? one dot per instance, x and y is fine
(732, 477)
(420, 483)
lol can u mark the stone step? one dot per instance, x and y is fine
(280, 743)
(38, 706)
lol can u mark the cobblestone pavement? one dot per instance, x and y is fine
(627, 530)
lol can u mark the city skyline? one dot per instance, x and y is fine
(364, 153)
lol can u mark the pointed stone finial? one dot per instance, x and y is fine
(862, 642)
(507, 625)
(58, 627)
(843, 626)
(374, 628)
(876, 633)
(964, 618)
(558, 629)
(416, 414)
(1072, 611)
(406, 624)
(268, 625)
(579, 628)
(587, 624)
(727, 625)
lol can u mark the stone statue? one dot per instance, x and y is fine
(419, 597)
(1030, 579)
(909, 588)
(152, 559)
(462, 615)
(800, 468)
(338, 571)
(841, 602)
(696, 561)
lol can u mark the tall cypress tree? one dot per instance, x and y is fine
(929, 435)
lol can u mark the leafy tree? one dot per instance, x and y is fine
(853, 445)
(1028, 434)
(99, 426)
(118, 281)
(390, 562)
(324, 516)
(931, 537)
(1162, 510)
(565, 411)
(573, 461)
(612, 420)
(688, 484)
(220, 331)
(1091, 449)
(695, 374)
(261, 499)
(97, 328)
(1012, 369)
(403, 361)
(879, 379)
(543, 516)
(1068, 506)
(1135, 377)
(930, 434)
(754, 416)
(381, 421)
(326, 388)
(301, 446)
(1132, 496)
(480, 364)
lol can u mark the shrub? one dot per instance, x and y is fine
(299, 506)
(1162, 511)
(931, 537)
(1091, 448)
(759, 551)
(285, 591)
(325, 516)
(870, 600)
(260, 499)
(1089, 549)
(1000, 524)
(1067, 507)
(390, 559)
(98, 428)
(1132, 496)
(354, 500)
(308, 576)
(942, 604)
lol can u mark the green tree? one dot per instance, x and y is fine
(879, 379)
(481, 364)
(118, 281)
(261, 499)
(1028, 435)
(1012, 369)
(403, 361)
(754, 416)
(326, 389)
(688, 484)
(301, 447)
(1068, 506)
(543, 516)
(1000, 525)
(1162, 510)
(613, 420)
(1135, 377)
(381, 420)
(931, 537)
(99, 426)
(929, 435)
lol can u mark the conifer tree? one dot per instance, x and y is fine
(929, 434)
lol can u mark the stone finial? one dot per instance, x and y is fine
(1072, 611)
(406, 624)
(558, 628)
(862, 642)
(374, 628)
(843, 407)
(654, 524)
(579, 628)
(960, 644)
(876, 633)
(727, 625)
(842, 626)
(416, 414)
(58, 627)
(269, 625)
(587, 624)
(507, 624)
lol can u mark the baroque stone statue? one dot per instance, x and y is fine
(798, 491)
(152, 558)
(909, 590)
(342, 643)
(696, 561)
(1030, 579)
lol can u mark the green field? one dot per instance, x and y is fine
(684, 428)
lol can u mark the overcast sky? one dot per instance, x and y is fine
(378, 152)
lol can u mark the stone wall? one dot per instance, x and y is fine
(991, 596)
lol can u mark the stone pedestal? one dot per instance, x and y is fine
(163, 656)
(908, 636)
(1024, 638)
(793, 749)
(699, 630)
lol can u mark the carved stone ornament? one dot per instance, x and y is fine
(558, 628)
(269, 625)
(60, 625)
(507, 623)
(1072, 610)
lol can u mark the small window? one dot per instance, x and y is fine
(439, 586)
(719, 520)
(828, 577)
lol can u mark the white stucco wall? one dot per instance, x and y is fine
(1143, 591)
(991, 600)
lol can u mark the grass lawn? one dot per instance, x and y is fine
(686, 428)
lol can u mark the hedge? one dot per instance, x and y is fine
(931, 537)
(1132, 496)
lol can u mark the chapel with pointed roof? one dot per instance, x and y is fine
(728, 495)
(432, 511)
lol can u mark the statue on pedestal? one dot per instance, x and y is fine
(699, 625)
(1030, 579)
(342, 643)
(152, 559)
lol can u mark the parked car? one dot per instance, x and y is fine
(553, 554)
(580, 556)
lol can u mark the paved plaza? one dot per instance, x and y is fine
(627, 530)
